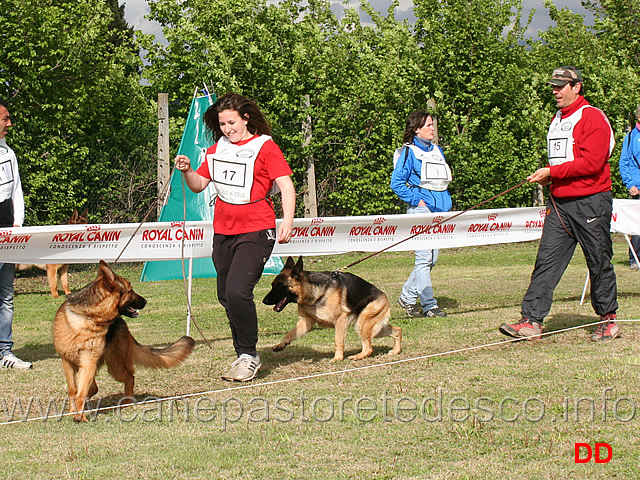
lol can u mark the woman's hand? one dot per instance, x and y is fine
(183, 163)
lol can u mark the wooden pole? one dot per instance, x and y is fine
(431, 108)
(310, 198)
(163, 147)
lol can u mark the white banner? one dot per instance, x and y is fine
(311, 236)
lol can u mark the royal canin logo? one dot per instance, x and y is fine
(177, 224)
(492, 217)
(4, 233)
(316, 221)
(92, 228)
(379, 221)
(438, 219)
(543, 213)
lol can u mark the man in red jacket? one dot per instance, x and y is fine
(580, 141)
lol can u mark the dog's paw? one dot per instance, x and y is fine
(278, 348)
(357, 357)
(336, 359)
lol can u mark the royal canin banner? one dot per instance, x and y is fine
(311, 236)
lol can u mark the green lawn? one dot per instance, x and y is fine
(512, 410)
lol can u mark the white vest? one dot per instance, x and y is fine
(560, 137)
(231, 168)
(435, 174)
(7, 171)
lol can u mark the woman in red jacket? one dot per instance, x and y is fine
(246, 167)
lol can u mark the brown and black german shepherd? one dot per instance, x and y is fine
(334, 300)
(89, 331)
(56, 270)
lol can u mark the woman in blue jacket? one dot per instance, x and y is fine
(630, 173)
(420, 179)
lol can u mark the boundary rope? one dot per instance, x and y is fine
(96, 411)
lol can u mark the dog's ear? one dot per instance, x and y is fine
(289, 263)
(297, 270)
(84, 215)
(105, 272)
(74, 217)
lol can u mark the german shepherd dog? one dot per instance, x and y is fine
(58, 270)
(333, 300)
(89, 331)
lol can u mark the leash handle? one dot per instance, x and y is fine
(436, 223)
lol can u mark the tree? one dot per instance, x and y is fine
(81, 116)
(491, 113)
(608, 64)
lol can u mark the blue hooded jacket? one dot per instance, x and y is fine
(630, 166)
(406, 178)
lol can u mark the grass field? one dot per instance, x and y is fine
(438, 411)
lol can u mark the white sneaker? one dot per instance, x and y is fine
(9, 360)
(243, 369)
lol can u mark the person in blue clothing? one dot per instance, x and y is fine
(630, 173)
(420, 178)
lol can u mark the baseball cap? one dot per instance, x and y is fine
(563, 75)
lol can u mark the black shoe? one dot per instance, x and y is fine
(435, 312)
(412, 310)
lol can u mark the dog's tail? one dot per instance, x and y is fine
(167, 357)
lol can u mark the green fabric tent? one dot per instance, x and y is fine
(194, 144)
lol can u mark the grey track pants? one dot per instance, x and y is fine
(589, 221)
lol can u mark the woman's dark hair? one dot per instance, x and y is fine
(247, 109)
(415, 120)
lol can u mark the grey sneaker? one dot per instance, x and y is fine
(435, 312)
(9, 360)
(243, 369)
(412, 310)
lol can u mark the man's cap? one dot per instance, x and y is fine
(563, 75)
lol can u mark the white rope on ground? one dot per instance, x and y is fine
(307, 377)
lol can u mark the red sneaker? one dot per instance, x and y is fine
(525, 328)
(607, 330)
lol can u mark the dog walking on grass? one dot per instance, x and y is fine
(333, 300)
(89, 331)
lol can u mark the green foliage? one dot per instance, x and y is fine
(490, 114)
(607, 56)
(71, 81)
(85, 134)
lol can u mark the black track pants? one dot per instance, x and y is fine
(589, 220)
(239, 262)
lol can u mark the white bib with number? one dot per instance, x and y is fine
(231, 168)
(7, 160)
(560, 137)
(435, 174)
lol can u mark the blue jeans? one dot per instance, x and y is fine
(418, 286)
(7, 274)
